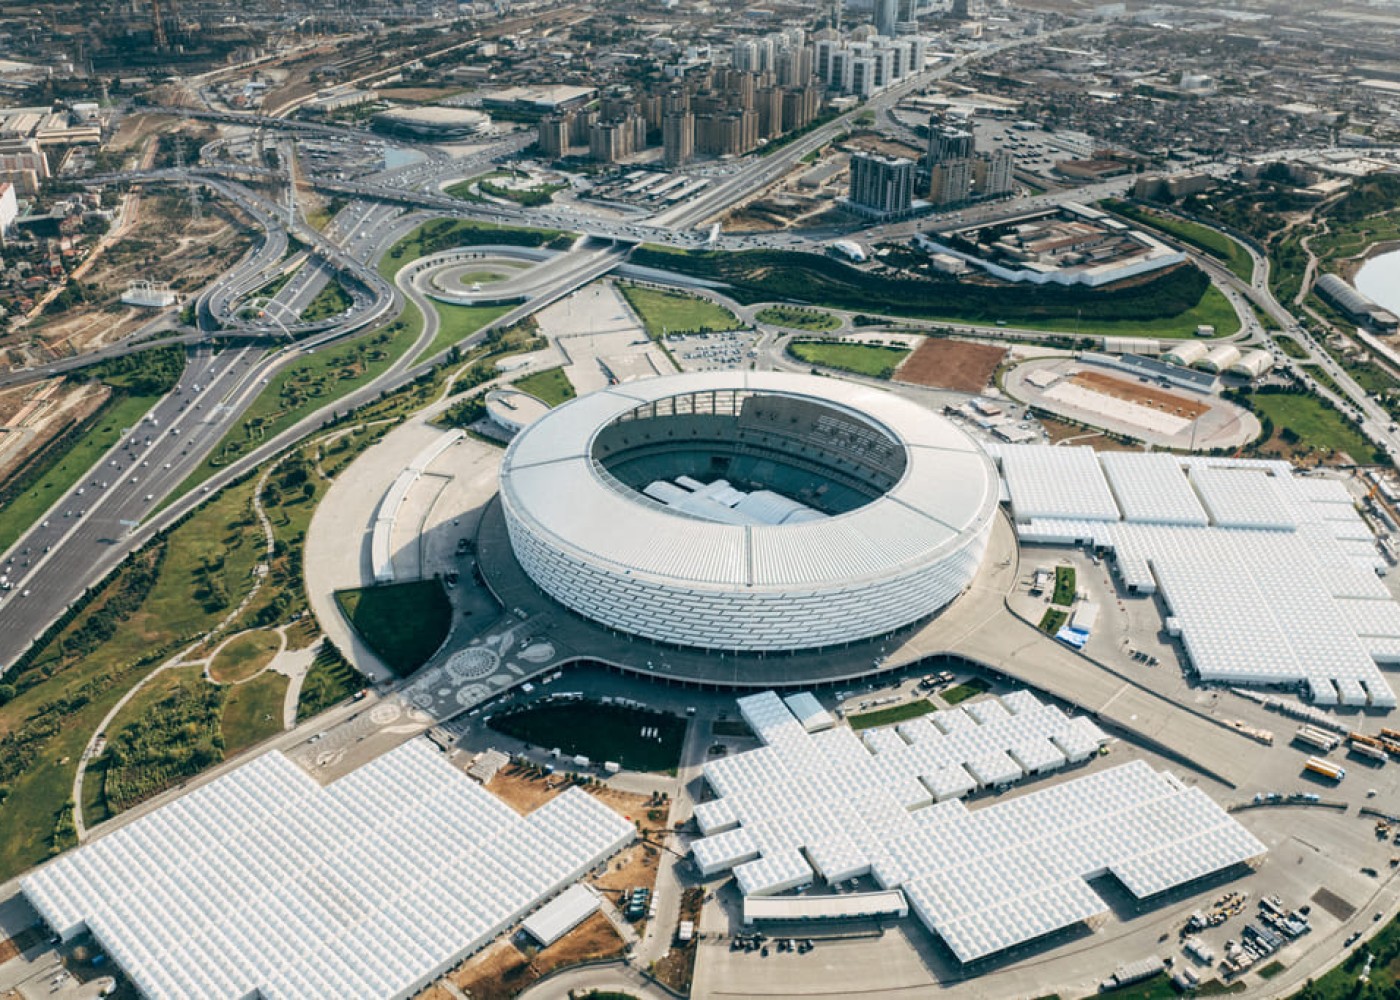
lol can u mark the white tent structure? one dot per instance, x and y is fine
(1269, 575)
(262, 882)
(562, 914)
(983, 880)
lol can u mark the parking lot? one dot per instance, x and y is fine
(708, 352)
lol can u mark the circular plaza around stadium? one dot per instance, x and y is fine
(748, 511)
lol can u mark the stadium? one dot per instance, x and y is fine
(748, 511)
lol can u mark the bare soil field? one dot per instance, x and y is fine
(1059, 431)
(1142, 395)
(160, 242)
(951, 364)
(21, 942)
(417, 95)
(30, 415)
(502, 970)
(523, 791)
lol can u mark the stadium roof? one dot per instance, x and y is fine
(983, 880)
(948, 491)
(264, 882)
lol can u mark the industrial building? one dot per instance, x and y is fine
(264, 883)
(1357, 306)
(1219, 359)
(1068, 245)
(888, 509)
(1253, 364)
(1267, 576)
(834, 806)
(1186, 354)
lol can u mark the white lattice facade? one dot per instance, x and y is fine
(920, 497)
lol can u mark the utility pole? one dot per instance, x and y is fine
(158, 38)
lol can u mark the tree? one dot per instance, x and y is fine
(7, 693)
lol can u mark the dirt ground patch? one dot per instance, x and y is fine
(677, 967)
(417, 94)
(1059, 430)
(1142, 395)
(1333, 904)
(951, 364)
(20, 943)
(524, 791)
(503, 970)
(160, 242)
(873, 142)
(31, 415)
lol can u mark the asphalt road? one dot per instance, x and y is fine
(84, 534)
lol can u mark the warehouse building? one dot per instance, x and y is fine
(1252, 365)
(1355, 305)
(1268, 576)
(824, 805)
(1219, 359)
(264, 883)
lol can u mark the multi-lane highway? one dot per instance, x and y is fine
(88, 532)
(84, 534)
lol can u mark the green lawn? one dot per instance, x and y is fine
(1064, 586)
(1168, 303)
(303, 385)
(456, 323)
(551, 387)
(68, 465)
(861, 359)
(243, 656)
(1317, 425)
(798, 319)
(1291, 347)
(1213, 309)
(463, 189)
(253, 711)
(1271, 970)
(599, 732)
(675, 312)
(176, 726)
(329, 301)
(166, 733)
(444, 234)
(1341, 983)
(404, 623)
(1213, 242)
(530, 197)
(1159, 987)
(278, 283)
(158, 599)
(330, 681)
(1346, 239)
(889, 716)
(964, 691)
(1053, 620)
(481, 277)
